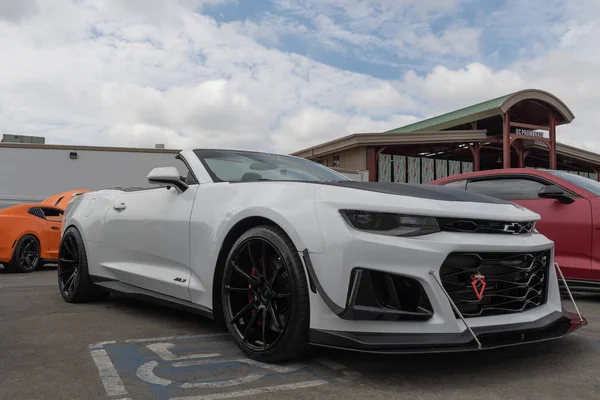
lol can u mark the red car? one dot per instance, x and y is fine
(569, 205)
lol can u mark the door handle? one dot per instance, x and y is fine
(54, 227)
(120, 207)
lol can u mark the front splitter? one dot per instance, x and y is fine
(550, 327)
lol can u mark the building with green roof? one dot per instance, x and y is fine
(514, 130)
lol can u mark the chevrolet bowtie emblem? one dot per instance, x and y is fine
(515, 228)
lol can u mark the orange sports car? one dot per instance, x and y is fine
(30, 233)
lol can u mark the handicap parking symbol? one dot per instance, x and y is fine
(201, 367)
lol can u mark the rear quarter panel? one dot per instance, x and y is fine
(14, 227)
(87, 212)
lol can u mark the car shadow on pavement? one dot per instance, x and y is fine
(167, 315)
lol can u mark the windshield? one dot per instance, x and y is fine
(590, 185)
(240, 166)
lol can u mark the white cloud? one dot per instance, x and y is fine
(311, 126)
(134, 73)
(459, 41)
(15, 11)
(119, 77)
(371, 30)
(448, 90)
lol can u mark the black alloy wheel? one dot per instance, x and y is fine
(265, 297)
(26, 256)
(69, 265)
(74, 282)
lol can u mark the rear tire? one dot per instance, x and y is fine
(26, 256)
(265, 304)
(74, 281)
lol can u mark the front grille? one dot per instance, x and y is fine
(515, 282)
(485, 226)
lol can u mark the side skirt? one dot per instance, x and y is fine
(135, 292)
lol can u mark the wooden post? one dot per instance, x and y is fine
(552, 154)
(597, 171)
(506, 139)
(475, 150)
(372, 163)
(518, 145)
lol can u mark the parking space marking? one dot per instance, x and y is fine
(146, 373)
(274, 367)
(162, 350)
(251, 392)
(110, 377)
(201, 367)
(222, 384)
(160, 339)
(101, 344)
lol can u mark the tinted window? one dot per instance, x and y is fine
(462, 184)
(53, 214)
(590, 185)
(507, 188)
(185, 172)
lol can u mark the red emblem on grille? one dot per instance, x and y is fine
(478, 284)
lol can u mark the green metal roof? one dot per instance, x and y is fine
(432, 123)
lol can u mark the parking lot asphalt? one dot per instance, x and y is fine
(127, 349)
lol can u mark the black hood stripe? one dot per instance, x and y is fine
(431, 192)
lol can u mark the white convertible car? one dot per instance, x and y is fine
(288, 253)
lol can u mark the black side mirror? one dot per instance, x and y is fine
(554, 192)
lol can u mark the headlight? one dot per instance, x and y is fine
(390, 224)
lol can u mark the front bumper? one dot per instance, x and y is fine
(552, 326)
(343, 316)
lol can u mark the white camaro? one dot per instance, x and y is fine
(287, 253)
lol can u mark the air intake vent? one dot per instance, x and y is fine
(382, 296)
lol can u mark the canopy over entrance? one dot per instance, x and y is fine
(530, 114)
(528, 106)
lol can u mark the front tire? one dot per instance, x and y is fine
(26, 257)
(74, 282)
(265, 296)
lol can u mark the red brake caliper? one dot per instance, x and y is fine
(250, 297)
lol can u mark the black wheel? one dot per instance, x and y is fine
(265, 296)
(26, 256)
(74, 281)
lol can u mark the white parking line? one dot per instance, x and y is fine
(221, 384)
(174, 338)
(101, 344)
(162, 350)
(251, 392)
(282, 369)
(108, 374)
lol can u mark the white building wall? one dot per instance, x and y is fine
(33, 174)
(359, 176)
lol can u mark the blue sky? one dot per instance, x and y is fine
(283, 74)
(299, 28)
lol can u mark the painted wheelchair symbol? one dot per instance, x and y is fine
(146, 371)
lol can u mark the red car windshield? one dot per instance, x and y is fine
(590, 185)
